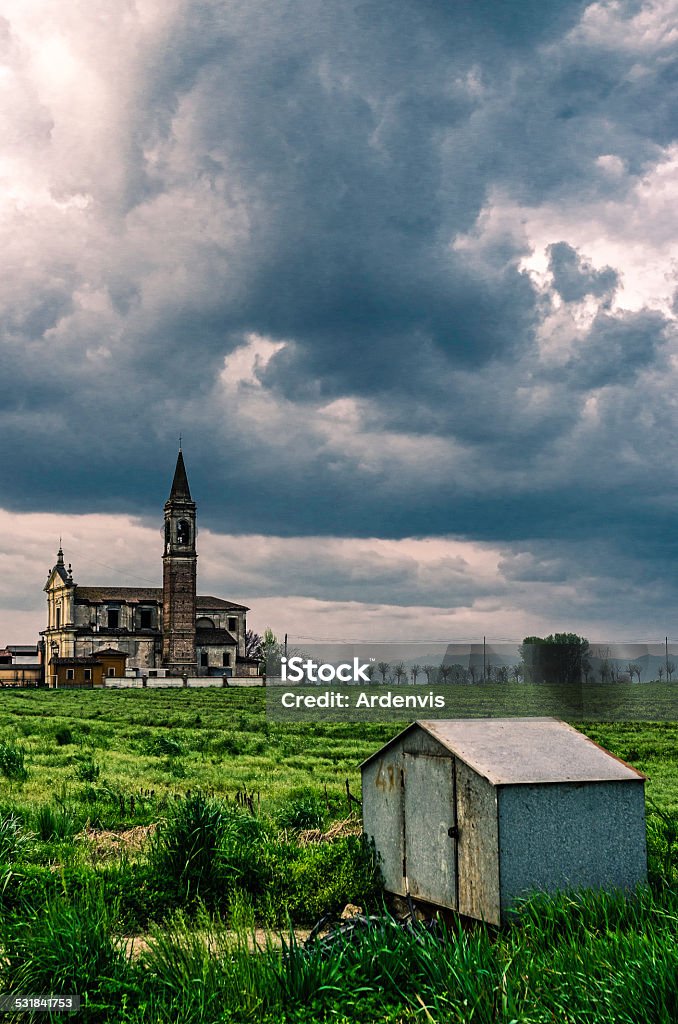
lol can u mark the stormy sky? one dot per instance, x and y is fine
(402, 274)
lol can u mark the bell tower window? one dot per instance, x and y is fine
(183, 533)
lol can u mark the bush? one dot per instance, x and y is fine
(87, 770)
(63, 737)
(164, 746)
(302, 811)
(12, 762)
(54, 823)
(185, 853)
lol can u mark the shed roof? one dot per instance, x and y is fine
(510, 751)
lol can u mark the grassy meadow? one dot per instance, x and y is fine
(146, 834)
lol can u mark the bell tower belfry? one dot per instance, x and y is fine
(179, 577)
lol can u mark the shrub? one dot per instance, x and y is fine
(12, 762)
(301, 811)
(164, 746)
(54, 823)
(63, 737)
(87, 770)
(185, 852)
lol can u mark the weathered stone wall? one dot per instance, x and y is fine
(179, 593)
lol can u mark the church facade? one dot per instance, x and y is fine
(155, 631)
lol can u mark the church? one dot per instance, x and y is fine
(145, 631)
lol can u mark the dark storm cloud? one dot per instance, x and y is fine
(574, 278)
(617, 349)
(304, 172)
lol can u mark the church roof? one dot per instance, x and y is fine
(214, 638)
(180, 488)
(204, 603)
(149, 595)
(128, 594)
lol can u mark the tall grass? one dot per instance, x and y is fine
(582, 974)
(210, 852)
(66, 945)
(14, 839)
(12, 762)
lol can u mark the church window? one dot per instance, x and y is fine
(233, 624)
(58, 616)
(226, 660)
(113, 618)
(145, 618)
(70, 673)
(183, 532)
(203, 659)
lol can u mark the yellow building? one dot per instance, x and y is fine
(86, 672)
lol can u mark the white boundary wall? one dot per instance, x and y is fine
(177, 683)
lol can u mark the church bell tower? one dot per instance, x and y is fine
(179, 577)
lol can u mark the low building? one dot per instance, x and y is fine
(86, 672)
(20, 665)
(473, 814)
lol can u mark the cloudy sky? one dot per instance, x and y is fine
(404, 275)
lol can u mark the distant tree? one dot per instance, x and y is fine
(415, 670)
(444, 672)
(253, 644)
(272, 652)
(555, 659)
(670, 669)
(502, 674)
(633, 669)
(370, 670)
(489, 669)
(517, 672)
(383, 668)
(431, 673)
(473, 672)
(660, 672)
(400, 672)
(458, 674)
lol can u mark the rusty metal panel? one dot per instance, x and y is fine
(477, 846)
(430, 829)
(527, 750)
(383, 816)
(572, 835)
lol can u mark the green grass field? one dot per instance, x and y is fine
(219, 795)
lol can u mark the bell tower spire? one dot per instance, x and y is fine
(179, 576)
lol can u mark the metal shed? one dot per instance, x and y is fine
(471, 814)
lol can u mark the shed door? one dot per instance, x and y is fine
(429, 818)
